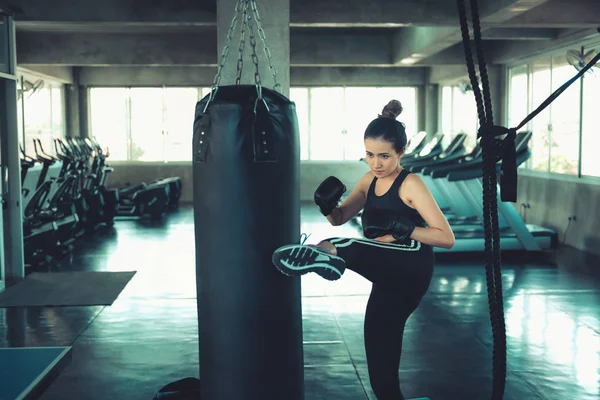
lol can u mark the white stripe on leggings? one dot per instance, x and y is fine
(345, 242)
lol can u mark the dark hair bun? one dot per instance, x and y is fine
(392, 109)
(389, 130)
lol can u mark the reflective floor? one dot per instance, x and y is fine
(148, 337)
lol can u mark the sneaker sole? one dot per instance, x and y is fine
(296, 260)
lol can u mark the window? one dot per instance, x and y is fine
(566, 127)
(38, 120)
(155, 124)
(109, 120)
(300, 97)
(58, 111)
(540, 126)
(145, 124)
(459, 114)
(179, 109)
(465, 119)
(590, 129)
(40, 110)
(564, 148)
(327, 124)
(147, 128)
(362, 105)
(517, 102)
(20, 116)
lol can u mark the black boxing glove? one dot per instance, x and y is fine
(402, 228)
(373, 232)
(328, 194)
(378, 223)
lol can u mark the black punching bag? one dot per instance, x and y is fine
(246, 204)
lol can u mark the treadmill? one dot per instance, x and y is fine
(454, 151)
(463, 198)
(416, 143)
(466, 178)
(428, 148)
(458, 208)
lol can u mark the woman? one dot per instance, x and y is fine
(401, 222)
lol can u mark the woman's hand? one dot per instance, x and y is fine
(386, 239)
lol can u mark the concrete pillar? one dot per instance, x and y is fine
(84, 111)
(72, 110)
(421, 108)
(432, 96)
(498, 86)
(427, 106)
(275, 19)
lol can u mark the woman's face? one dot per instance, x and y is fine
(381, 157)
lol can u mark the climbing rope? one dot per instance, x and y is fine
(497, 143)
(490, 149)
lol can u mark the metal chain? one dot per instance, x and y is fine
(215, 85)
(246, 24)
(257, 79)
(263, 37)
(240, 63)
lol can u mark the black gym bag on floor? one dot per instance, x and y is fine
(183, 389)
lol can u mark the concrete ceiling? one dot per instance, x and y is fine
(324, 33)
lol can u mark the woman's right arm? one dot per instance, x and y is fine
(353, 203)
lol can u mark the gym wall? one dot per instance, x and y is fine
(552, 199)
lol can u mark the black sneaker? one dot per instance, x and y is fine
(299, 259)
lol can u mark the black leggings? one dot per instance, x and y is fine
(401, 274)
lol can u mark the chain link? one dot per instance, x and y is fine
(240, 62)
(246, 24)
(217, 80)
(257, 80)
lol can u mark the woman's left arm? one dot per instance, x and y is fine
(439, 233)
